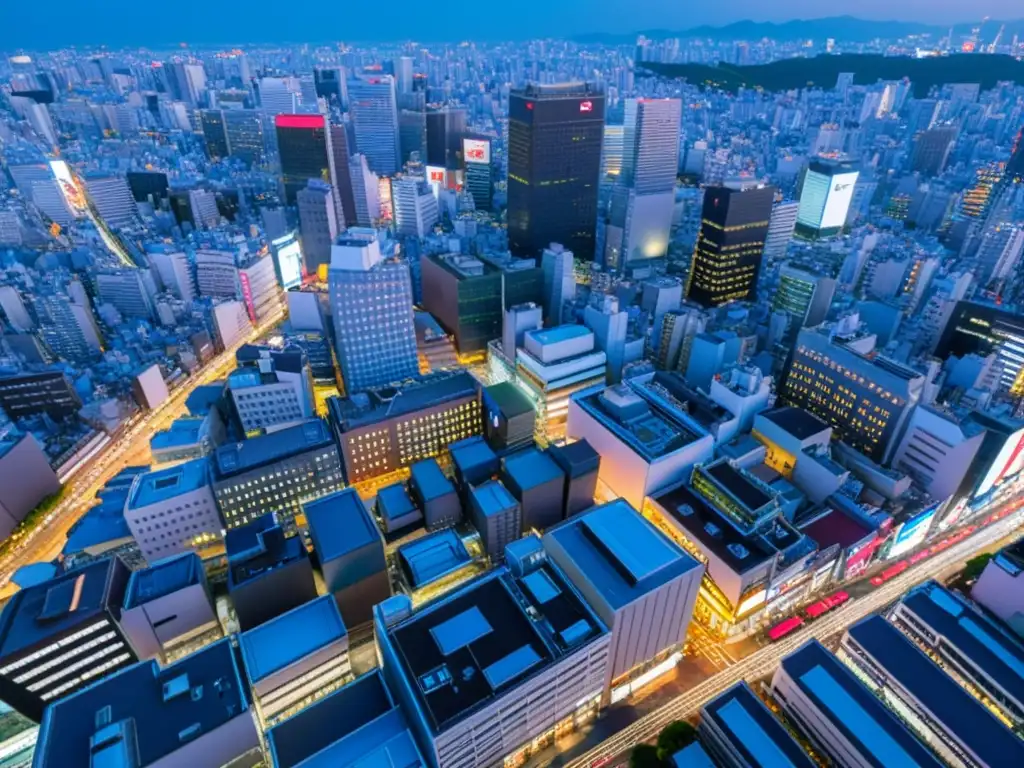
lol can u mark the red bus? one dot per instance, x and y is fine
(890, 572)
(784, 627)
(827, 604)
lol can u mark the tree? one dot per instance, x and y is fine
(974, 566)
(645, 756)
(674, 737)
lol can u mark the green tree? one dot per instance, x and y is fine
(645, 756)
(974, 566)
(673, 737)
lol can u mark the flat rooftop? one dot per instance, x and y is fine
(357, 725)
(259, 547)
(853, 710)
(429, 480)
(204, 689)
(623, 555)
(162, 578)
(837, 527)
(976, 639)
(472, 452)
(204, 398)
(754, 731)
(339, 523)
(509, 398)
(530, 468)
(432, 556)
(182, 432)
(461, 651)
(493, 498)
(256, 452)
(101, 524)
(165, 484)
(386, 403)
(737, 483)
(796, 421)
(51, 608)
(560, 333)
(962, 715)
(290, 637)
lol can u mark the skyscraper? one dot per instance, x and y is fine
(371, 304)
(932, 148)
(344, 199)
(446, 127)
(805, 296)
(318, 223)
(302, 144)
(374, 112)
(365, 194)
(215, 133)
(476, 154)
(554, 161)
(415, 206)
(644, 197)
(825, 199)
(243, 129)
(727, 259)
(559, 281)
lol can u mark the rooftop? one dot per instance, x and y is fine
(472, 452)
(623, 555)
(432, 556)
(357, 725)
(944, 699)
(463, 650)
(852, 709)
(162, 578)
(259, 547)
(290, 637)
(530, 468)
(737, 483)
(181, 432)
(101, 524)
(509, 399)
(493, 498)
(429, 480)
(236, 458)
(576, 459)
(414, 395)
(560, 333)
(339, 523)
(752, 730)
(163, 709)
(55, 606)
(161, 485)
(394, 503)
(203, 398)
(796, 421)
(976, 639)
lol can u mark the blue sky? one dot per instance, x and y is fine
(47, 23)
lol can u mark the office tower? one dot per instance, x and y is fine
(412, 134)
(279, 96)
(303, 148)
(805, 296)
(270, 389)
(833, 708)
(518, 319)
(932, 148)
(415, 207)
(174, 272)
(675, 341)
(999, 253)
(559, 281)
(191, 82)
(344, 198)
(644, 196)
(477, 156)
(365, 193)
(202, 204)
(318, 224)
(404, 74)
(609, 325)
(612, 148)
(489, 630)
(866, 400)
(258, 288)
(243, 129)
(446, 128)
(246, 476)
(371, 304)
(659, 296)
(554, 161)
(984, 329)
(330, 85)
(640, 583)
(49, 199)
(730, 245)
(231, 323)
(496, 515)
(825, 198)
(126, 291)
(375, 117)
(14, 310)
(780, 230)
(67, 329)
(214, 133)
(112, 199)
(62, 635)
(137, 711)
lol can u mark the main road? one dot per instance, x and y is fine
(764, 661)
(46, 541)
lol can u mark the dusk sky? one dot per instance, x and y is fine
(28, 23)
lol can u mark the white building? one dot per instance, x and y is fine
(175, 273)
(260, 290)
(825, 198)
(365, 190)
(275, 392)
(150, 388)
(203, 205)
(559, 281)
(231, 323)
(113, 200)
(415, 207)
(937, 450)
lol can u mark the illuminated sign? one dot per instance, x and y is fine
(288, 254)
(247, 296)
(913, 531)
(837, 205)
(476, 151)
(71, 192)
(586, 106)
(299, 121)
(1008, 462)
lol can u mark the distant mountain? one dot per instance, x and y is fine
(842, 28)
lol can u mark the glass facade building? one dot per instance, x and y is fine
(302, 145)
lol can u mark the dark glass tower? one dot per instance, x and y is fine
(727, 259)
(302, 145)
(215, 134)
(554, 162)
(446, 128)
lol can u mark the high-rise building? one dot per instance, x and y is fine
(559, 281)
(780, 230)
(415, 207)
(730, 245)
(365, 193)
(805, 296)
(271, 389)
(174, 272)
(932, 148)
(344, 198)
(68, 329)
(330, 84)
(318, 223)
(214, 133)
(476, 154)
(112, 198)
(374, 109)
(372, 308)
(825, 199)
(412, 133)
(303, 147)
(643, 200)
(202, 205)
(126, 291)
(554, 161)
(279, 96)
(243, 129)
(446, 128)
(984, 329)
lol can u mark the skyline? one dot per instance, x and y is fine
(121, 23)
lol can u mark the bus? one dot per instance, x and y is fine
(890, 572)
(785, 627)
(826, 604)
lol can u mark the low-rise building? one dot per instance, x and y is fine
(641, 584)
(434, 494)
(270, 389)
(582, 467)
(296, 658)
(538, 484)
(434, 564)
(496, 515)
(1000, 588)
(797, 446)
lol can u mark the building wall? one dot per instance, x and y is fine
(935, 453)
(281, 693)
(273, 593)
(151, 626)
(26, 478)
(268, 405)
(1002, 593)
(220, 746)
(171, 526)
(808, 718)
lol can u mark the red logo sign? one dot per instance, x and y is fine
(529, 105)
(475, 154)
(586, 106)
(437, 176)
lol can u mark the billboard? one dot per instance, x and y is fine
(837, 204)
(913, 531)
(476, 151)
(289, 263)
(1008, 462)
(72, 194)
